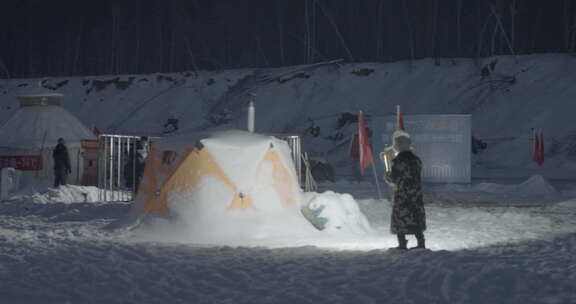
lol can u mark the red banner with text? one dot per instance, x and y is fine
(22, 162)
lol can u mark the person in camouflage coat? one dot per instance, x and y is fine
(408, 214)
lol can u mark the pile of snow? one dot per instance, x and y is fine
(338, 212)
(66, 194)
(198, 220)
(535, 185)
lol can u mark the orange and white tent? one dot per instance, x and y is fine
(232, 170)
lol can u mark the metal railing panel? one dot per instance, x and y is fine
(117, 155)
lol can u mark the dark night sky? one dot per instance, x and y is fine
(73, 37)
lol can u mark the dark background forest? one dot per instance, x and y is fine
(70, 37)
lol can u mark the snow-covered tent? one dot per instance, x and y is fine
(29, 136)
(230, 172)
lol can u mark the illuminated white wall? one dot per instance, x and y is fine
(443, 142)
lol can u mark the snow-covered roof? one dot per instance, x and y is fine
(40, 126)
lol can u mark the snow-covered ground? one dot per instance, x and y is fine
(482, 252)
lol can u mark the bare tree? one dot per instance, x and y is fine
(303, 42)
(313, 32)
(335, 27)
(390, 24)
(115, 39)
(459, 28)
(76, 60)
(410, 32)
(191, 55)
(310, 30)
(573, 33)
(493, 40)
(306, 32)
(4, 68)
(513, 24)
(536, 30)
(160, 41)
(138, 10)
(380, 31)
(503, 32)
(480, 43)
(280, 26)
(435, 32)
(260, 50)
(31, 59)
(173, 33)
(567, 25)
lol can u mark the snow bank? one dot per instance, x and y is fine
(535, 185)
(67, 194)
(203, 216)
(338, 212)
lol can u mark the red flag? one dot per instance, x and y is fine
(541, 149)
(400, 119)
(364, 144)
(538, 153)
(536, 148)
(354, 151)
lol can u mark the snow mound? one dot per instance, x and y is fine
(202, 216)
(67, 194)
(206, 223)
(338, 212)
(567, 204)
(535, 185)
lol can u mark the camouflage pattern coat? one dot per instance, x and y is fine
(408, 214)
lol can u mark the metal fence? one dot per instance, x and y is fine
(295, 148)
(117, 167)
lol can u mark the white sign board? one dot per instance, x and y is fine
(443, 142)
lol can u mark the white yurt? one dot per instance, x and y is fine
(29, 136)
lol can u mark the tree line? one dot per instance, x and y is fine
(51, 38)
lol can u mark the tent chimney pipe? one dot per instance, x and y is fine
(251, 115)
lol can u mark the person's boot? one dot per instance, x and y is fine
(421, 242)
(402, 242)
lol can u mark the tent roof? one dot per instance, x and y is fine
(41, 126)
(237, 152)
